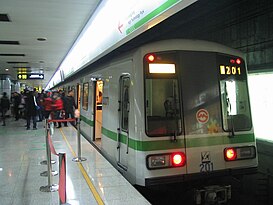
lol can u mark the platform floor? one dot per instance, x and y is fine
(94, 181)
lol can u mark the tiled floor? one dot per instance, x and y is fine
(21, 152)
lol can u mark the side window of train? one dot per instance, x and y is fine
(85, 96)
(124, 101)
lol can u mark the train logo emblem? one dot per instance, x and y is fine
(205, 157)
(206, 164)
(202, 116)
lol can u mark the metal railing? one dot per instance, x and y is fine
(61, 188)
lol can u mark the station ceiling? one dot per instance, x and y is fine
(36, 35)
(246, 25)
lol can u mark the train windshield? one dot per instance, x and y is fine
(163, 114)
(234, 94)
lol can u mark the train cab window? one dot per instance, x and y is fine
(162, 107)
(163, 110)
(234, 96)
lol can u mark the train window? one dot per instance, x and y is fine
(124, 102)
(163, 110)
(234, 97)
(85, 96)
(163, 115)
(235, 105)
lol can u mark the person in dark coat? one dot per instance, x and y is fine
(69, 106)
(31, 111)
(5, 105)
(16, 103)
(39, 101)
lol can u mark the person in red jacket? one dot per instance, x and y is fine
(47, 104)
(58, 107)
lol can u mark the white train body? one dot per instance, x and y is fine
(176, 96)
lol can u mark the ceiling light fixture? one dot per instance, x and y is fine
(9, 42)
(41, 39)
(4, 18)
(12, 54)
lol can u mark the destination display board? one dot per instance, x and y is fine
(30, 76)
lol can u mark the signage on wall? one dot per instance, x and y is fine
(113, 24)
(30, 76)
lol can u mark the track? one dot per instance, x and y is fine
(245, 191)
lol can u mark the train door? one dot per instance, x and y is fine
(163, 109)
(203, 126)
(123, 129)
(98, 93)
(78, 99)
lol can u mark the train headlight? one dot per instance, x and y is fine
(158, 161)
(168, 160)
(239, 153)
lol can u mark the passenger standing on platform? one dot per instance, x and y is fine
(58, 107)
(39, 101)
(5, 105)
(31, 112)
(22, 105)
(63, 97)
(35, 92)
(70, 106)
(16, 103)
(47, 104)
(12, 104)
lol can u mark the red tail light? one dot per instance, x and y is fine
(178, 159)
(166, 160)
(238, 61)
(230, 154)
(150, 57)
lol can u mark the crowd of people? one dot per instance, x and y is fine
(34, 106)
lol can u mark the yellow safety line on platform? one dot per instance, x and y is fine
(84, 173)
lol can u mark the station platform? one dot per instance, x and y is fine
(94, 181)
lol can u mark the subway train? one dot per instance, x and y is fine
(170, 111)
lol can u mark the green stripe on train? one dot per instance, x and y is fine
(169, 144)
(87, 121)
(144, 145)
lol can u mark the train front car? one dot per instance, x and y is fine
(199, 100)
